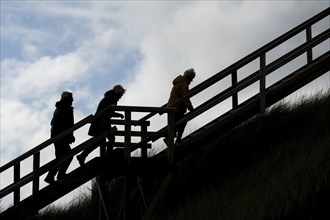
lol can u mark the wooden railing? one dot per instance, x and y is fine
(259, 75)
(37, 171)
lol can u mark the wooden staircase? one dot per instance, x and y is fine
(120, 162)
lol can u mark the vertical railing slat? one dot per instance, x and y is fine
(127, 163)
(170, 138)
(308, 38)
(17, 171)
(35, 182)
(144, 149)
(234, 82)
(36, 166)
(262, 97)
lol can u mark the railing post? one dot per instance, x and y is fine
(103, 212)
(234, 82)
(36, 166)
(170, 138)
(127, 163)
(262, 97)
(35, 183)
(17, 171)
(144, 150)
(127, 137)
(308, 38)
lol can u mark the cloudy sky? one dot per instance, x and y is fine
(89, 46)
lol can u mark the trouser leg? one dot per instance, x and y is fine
(65, 148)
(111, 142)
(52, 172)
(180, 131)
(180, 128)
(90, 148)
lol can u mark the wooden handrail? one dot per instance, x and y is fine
(249, 80)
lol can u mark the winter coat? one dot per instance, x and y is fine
(179, 90)
(62, 120)
(102, 123)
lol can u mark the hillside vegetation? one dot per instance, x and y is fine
(274, 166)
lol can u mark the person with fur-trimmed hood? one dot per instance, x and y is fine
(179, 90)
(62, 120)
(101, 124)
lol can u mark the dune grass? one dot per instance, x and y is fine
(274, 166)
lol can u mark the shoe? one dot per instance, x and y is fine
(49, 179)
(81, 160)
(178, 142)
(61, 176)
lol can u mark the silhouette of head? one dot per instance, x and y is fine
(67, 97)
(189, 74)
(119, 90)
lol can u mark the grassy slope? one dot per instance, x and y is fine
(276, 166)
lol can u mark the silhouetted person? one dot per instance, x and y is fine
(179, 90)
(62, 120)
(102, 123)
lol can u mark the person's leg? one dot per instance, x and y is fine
(180, 128)
(89, 149)
(180, 131)
(111, 142)
(65, 165)
(52, 172)
(81, 158)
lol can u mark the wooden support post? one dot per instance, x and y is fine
(233, 83)
(170, 139)
(262, 97)
(102, 205)
(127, 163)
(36, 166)
(127, 138)
(144, 149)
(17, 171)
(101, 184)
(35, 183)
(308, 38)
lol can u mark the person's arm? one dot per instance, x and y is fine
(185, 92)
(117, 115)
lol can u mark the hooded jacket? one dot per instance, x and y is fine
(103, 122)
(179, 90)
(62, 120)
